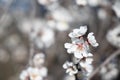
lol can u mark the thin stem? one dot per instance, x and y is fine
(113, 55)
(31, 52)
(76, 78)
(32, 40)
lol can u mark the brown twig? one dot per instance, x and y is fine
(113, 55)
(76, 78)
(31, 52)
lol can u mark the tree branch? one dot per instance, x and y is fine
(113, 55)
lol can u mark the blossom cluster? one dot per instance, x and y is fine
(37, 31)
(36, 72)
(80, 49)
(56, 20)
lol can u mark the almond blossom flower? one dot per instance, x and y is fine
(86, 62)
(37, 72)
(45, 38)
(79, 48)
(92, 40)
(43, 2)
(87, 69)
(70, 68)
(33, 73)
(25, 26)
(81, 2)
(59, 21)
(58, 12)
(24, 75)
(78, 32)
(58, 25)
(102, 14)
(46, 2)
(93, 2)
(113, 36)
(62, 26)
(39, 59)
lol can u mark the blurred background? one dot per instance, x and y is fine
(52, 21)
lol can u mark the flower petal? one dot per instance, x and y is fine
(92, 40)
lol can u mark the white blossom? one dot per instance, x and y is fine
(88, 69)
(87, 59)
(116, 8)
(46, 2)
(62, 26)
(25, 26)
(78, 32)
(58, 25)
(43, 2)
(24, 75)
(57, 14)
(51, 24)
(45, 38)
(59, 21)
(70, 68)
(40, 72)
(44, 71)
(33, 73)
(109, 72)
(79, 48)
(93, 2)
(113, 36)
(39, 59)
(86, 63)
(102, 14)
(81, 2)
(70, 47)
(92, 40)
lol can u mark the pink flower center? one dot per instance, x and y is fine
(80, 46)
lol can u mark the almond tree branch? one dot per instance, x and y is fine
(113, 55)
(31, 52)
